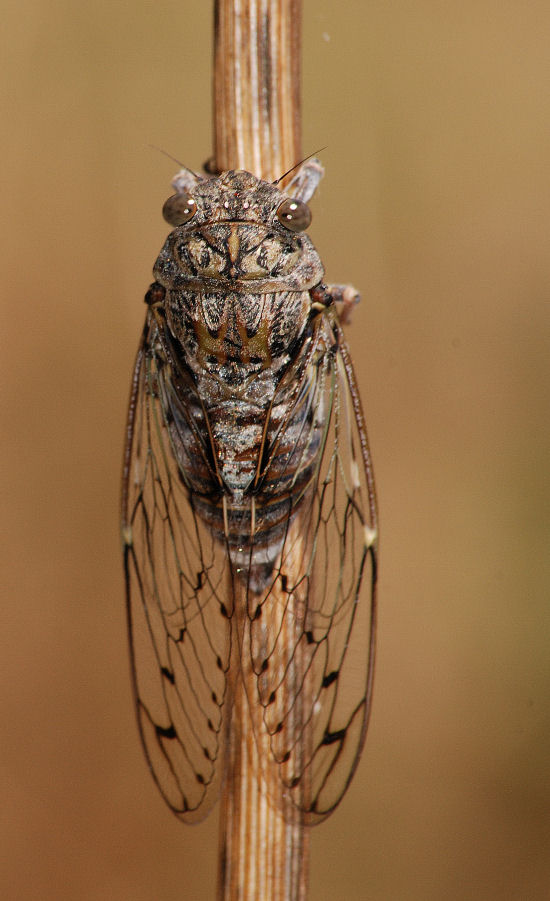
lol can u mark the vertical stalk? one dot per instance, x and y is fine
(257, 114)
(257, 126)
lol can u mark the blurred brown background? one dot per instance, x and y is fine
(436, 204)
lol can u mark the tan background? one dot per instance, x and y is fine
(436, 203)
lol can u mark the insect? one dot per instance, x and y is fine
(248, 513)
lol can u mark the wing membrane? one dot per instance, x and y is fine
(305, 639)
(178, 582)
(313, 647)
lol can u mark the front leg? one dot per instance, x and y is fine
(344, 297)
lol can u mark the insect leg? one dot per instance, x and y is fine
(344, 297)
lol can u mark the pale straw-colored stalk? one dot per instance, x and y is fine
(257, 127)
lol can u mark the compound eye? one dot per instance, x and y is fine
(179, 208)
(294, 215)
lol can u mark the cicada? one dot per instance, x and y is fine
(249, 519)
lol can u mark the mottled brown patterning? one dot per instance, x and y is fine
(248, 500)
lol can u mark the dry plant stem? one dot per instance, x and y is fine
(263, 844)
(257, 126)
(257, 116)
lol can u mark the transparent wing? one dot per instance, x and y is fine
(312, 647)
(178, 601)
(305, 633)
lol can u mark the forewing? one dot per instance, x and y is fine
(313, 646)
(178, 590)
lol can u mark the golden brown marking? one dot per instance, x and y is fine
(234, 243)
